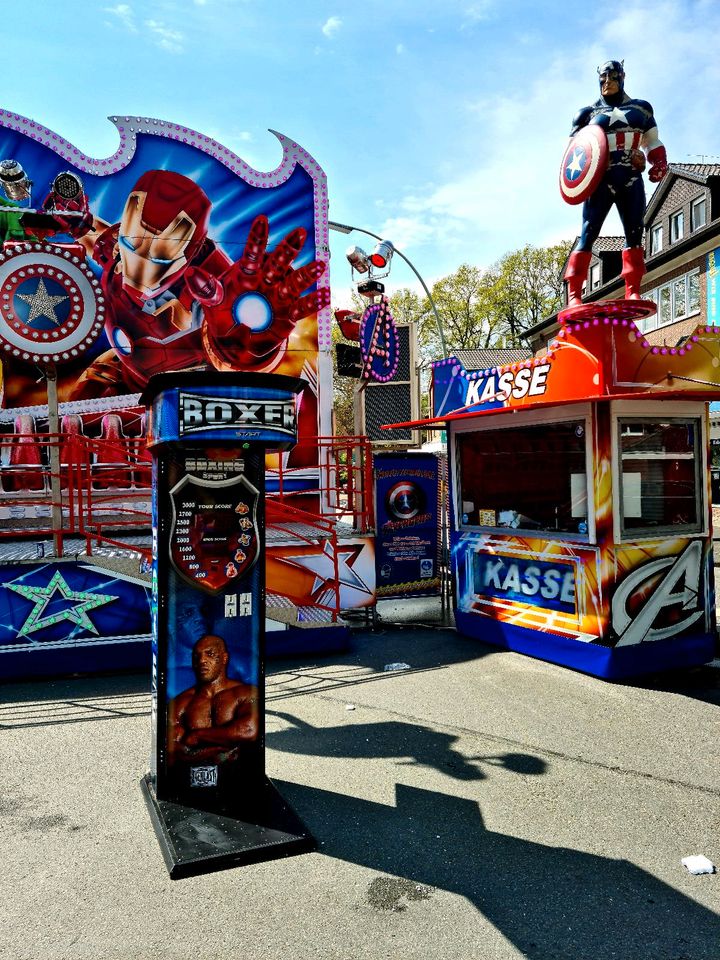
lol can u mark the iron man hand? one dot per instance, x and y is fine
(254, 306)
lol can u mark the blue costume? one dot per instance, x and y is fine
(630, 128)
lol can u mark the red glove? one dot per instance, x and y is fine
(259, 302)
(658, 163)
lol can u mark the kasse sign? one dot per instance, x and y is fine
(198, 412)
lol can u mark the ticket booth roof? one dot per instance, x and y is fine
(590, 362)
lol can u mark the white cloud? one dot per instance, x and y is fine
(479, 11)
(124, 14)
(400, 49)
(331, 27)
(165, 37)
(510, 197)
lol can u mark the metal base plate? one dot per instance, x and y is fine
(195, 841)
(610, 309)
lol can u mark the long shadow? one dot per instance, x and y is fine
(410, 744)
(74, 700)
(552, 903)
(696, 683)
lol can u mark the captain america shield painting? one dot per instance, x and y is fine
(584, 163)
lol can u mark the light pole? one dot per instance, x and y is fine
(345, 228)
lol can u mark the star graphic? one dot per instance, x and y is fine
(323, 566)
(575, 166)
(42, 303)
(618, 116)
(41, 597)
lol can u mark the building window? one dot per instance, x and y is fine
(675, 300)
(698, 213)
(664, 305)
(501, 485)
(693, 295)
(594, 276)
(659, 476)
(677, 226)
(656, 239)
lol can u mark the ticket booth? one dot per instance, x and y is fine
(210, 801)
(581, 525)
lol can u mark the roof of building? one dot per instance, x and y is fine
(697, 172)
(605, 244)
(601, 245)
(492, 357)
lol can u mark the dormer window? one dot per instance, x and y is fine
(698, 213)
(656, 239)
(677, 226)
(595, 276)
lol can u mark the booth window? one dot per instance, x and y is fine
(659, 476)
(527, 478)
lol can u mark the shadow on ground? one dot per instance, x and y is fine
(411, 744)
(74, 700)
(552, 903)
(698, 683)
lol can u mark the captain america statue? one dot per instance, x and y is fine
(605, 169)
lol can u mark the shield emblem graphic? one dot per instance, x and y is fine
(584, 163)
(214, 539)
(51, 304)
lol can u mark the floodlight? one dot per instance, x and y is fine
(340, 227)
(382, 254)
(358, 259)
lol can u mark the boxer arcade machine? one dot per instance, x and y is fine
(209, 799)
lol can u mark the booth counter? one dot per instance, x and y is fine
(581, 527)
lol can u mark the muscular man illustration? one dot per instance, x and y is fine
(209, 722)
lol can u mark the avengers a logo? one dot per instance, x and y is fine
(379, 342)
(51, 305)
(214, 539)
(404, 500)
(660, 599)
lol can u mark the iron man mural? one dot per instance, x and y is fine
(191, 259)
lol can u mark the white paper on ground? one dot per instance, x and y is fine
(698, 864)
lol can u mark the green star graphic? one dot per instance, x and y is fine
(41, 596)
(42, 303)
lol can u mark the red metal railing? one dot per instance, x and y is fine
(299, 525)
(344, 479)
(102, 488)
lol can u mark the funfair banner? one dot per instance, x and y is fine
(171, 254)
(408, 543)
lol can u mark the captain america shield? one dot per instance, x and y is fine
(584, 163)
(51, 305)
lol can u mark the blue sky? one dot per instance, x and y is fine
(439, 125)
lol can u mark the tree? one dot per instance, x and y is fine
(482, 308)
(528, 287)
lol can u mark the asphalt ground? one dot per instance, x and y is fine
(480, 804)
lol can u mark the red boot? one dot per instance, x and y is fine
(633, 270)
(576, 274)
